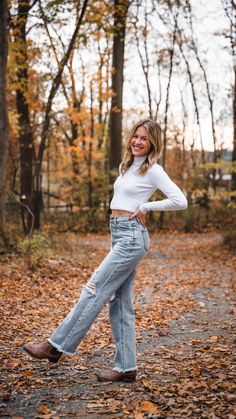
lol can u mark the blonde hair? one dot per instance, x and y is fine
(154, 137)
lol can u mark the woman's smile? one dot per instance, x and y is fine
(140, 144)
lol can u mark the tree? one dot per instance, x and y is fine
(23, 111)
(3, 116)
(115, 123)
(229, 8)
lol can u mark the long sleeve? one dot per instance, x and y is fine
(175, 200)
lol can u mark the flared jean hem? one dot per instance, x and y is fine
(55, 345)
(126, 370)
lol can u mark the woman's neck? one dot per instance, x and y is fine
(139, 160)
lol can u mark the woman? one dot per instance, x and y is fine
(140, 176)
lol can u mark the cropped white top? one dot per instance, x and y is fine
(132, 190)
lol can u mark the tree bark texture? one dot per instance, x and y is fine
(3, 117)
(172, 48)
(115, 123)
(229, 8)
(25, 132)
(233, 185)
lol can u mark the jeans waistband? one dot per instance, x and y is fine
(115, 219)
(119, 217)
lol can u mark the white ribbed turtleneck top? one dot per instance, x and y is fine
(132, 190)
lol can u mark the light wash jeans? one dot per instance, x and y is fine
(113, 282)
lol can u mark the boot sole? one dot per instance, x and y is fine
(53, 360)
(121, 380)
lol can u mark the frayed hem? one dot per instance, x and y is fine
(128, 370)
(55, 345)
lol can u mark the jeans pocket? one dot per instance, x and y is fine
(146, 240)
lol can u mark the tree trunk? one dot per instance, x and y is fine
(25, 132)
(229, 8)
(180, 44)
(172, 49)
(3, 117)
(115, 123)
(144, 59)
(233, 183)
(89, 159)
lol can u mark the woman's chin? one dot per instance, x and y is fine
(138, 153)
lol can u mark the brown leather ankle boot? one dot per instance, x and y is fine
(43, 350)
(114, 376)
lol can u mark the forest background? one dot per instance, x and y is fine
(76, 75)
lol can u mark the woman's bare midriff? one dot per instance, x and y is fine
(118, 213)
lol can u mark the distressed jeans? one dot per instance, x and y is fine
(112, 282)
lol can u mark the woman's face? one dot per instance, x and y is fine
(139, 143)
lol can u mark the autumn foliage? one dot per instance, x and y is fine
(184, 327)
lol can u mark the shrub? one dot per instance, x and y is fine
(37, 245)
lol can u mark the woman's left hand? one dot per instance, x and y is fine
(140, 215)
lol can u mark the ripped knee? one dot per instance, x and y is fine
(91, 287)
(112, 298)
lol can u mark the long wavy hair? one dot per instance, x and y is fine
(154, 137)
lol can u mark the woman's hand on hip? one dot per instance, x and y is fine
(140, 215)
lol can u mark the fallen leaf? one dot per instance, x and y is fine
(147, 406)
(197, 370)
(213, 338)
(13, 364)
(43, 409)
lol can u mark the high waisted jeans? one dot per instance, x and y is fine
(112, 281)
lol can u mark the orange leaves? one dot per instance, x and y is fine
(138, 409)
(43, 409)
(145, 407)
(46, 413)
(184, 322)
(197, 370)
(189, 386)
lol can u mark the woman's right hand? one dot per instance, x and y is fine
(140, 215)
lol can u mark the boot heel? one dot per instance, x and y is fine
(129, 379)
(53, 360)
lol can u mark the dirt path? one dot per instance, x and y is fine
(185, 317)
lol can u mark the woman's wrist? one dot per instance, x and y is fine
(143, 209)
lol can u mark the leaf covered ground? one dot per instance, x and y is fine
(185, 320)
